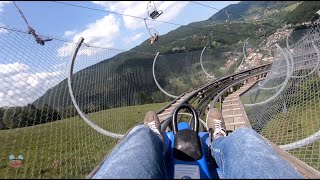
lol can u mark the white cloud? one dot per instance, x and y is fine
(3, 3)
(171, 9)
(69, 33)
(3, 30)
(100, 33)
(19, 86)
(139, 8)
(104, 32)
(12, 68)
(61, 65)
(136, 37)
(129, 40)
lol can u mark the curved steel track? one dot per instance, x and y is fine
(204, 94)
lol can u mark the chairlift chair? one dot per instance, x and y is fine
(154, 12)
(153, 32)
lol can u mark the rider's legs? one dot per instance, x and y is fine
(244, 154)
(139, 155)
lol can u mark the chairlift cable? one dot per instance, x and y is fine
(30, 29)
(66, 41)
(215, 8)
(253, 22)
(21, 13)
(149, 29)
(166, 22)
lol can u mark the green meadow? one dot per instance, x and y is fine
(67, 148)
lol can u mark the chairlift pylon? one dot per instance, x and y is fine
(227, 20)
(152, 10)
(261, 32)
(202, 38)
(248, 48)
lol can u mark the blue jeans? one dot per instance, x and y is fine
(242, 154)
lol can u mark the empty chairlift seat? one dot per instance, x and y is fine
(152, 10)
(155, 14)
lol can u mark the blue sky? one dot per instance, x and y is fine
(65, 21)
(28, 70)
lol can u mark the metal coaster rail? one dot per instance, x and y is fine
(211, 90)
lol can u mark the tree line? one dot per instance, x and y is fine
(30, 115)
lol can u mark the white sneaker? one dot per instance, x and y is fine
(152, 121)
(215, 122)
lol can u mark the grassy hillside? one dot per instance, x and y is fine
(117, 92)
(294, 126)
(298, 119)
(68, 148)
(136, 67)
(304, 11)
(246, 10)
(126, 79)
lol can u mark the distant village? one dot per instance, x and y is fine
(256, 57)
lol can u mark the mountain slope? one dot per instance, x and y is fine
(128, 76)
(247, 10)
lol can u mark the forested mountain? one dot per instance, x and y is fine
(129, 66)
(126, 79)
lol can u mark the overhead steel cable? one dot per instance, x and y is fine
(67, 41)
(166, 22)
(21, 13)
(215, 8)
(38, 39)
(229, 12)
